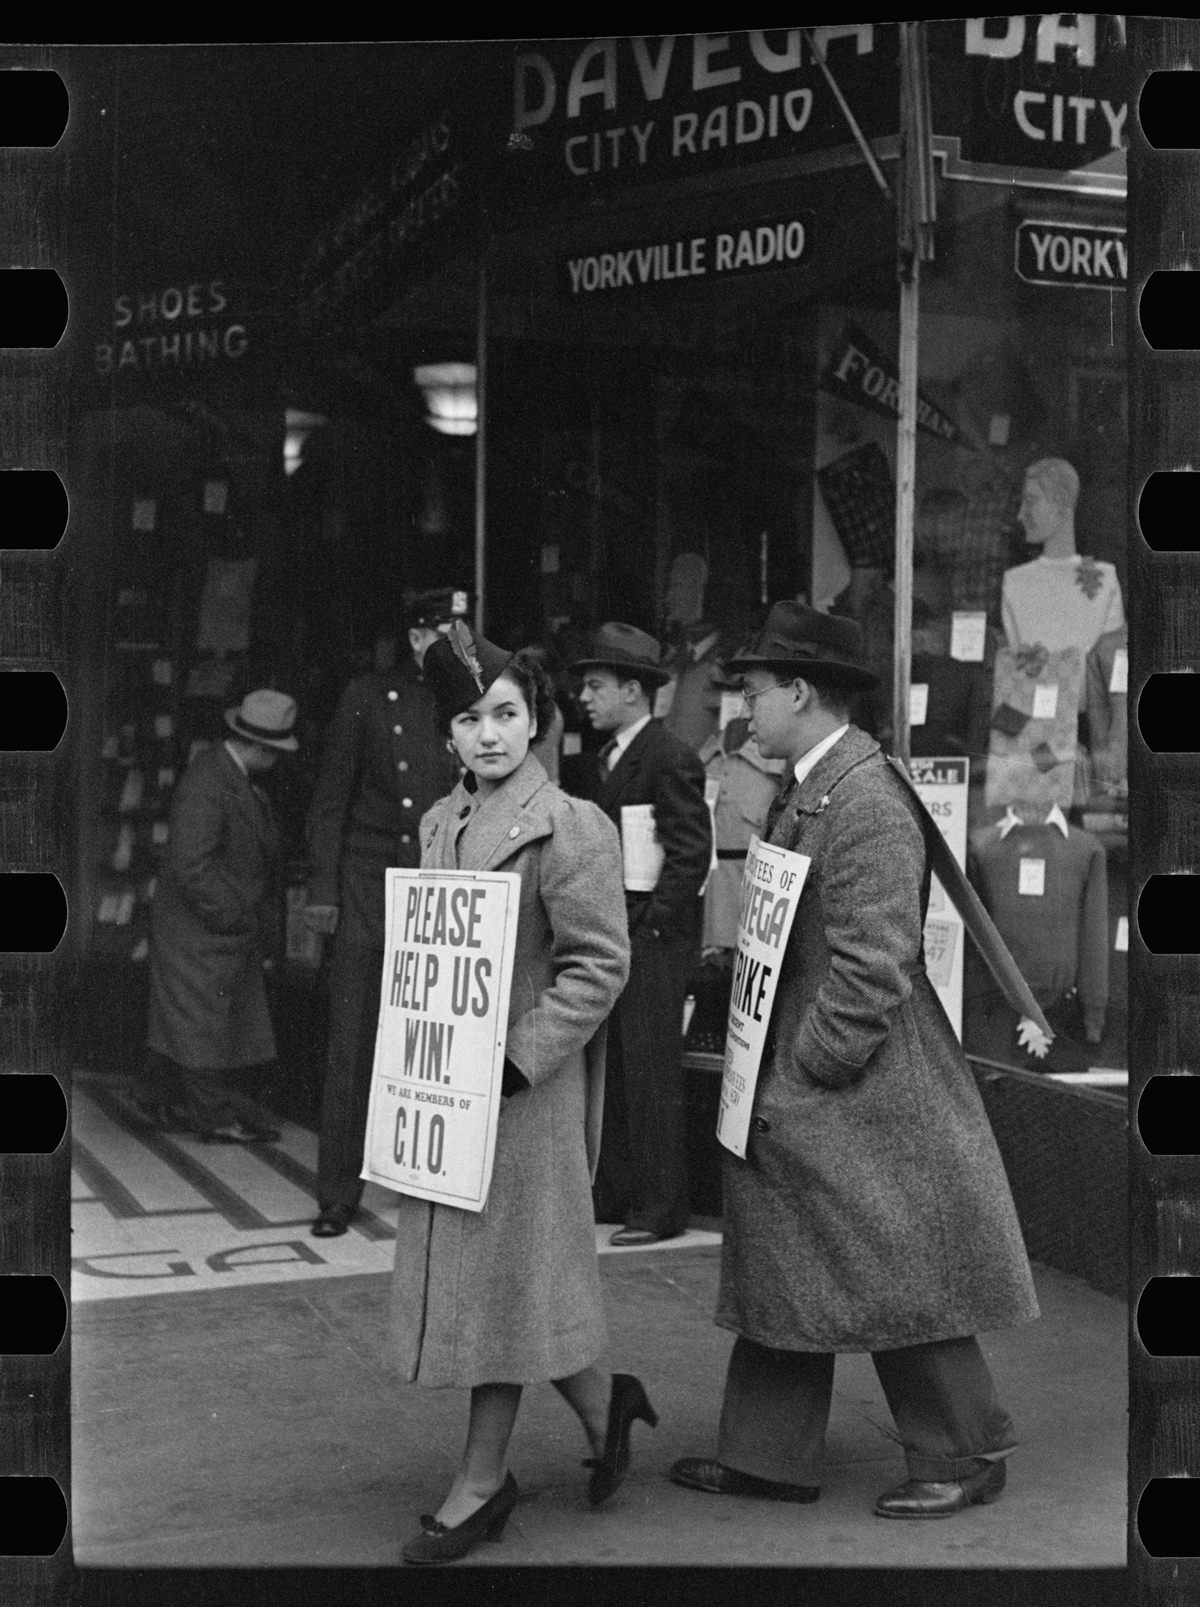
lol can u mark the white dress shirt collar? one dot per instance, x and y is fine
(622, 739)
(1012, 818)
(811, 758)
(237, 758)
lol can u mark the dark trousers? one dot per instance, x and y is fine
(354, 980)
(200, 1099)
(941, 1396)
(642, 1176)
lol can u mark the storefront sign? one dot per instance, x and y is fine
(1022, 95)
(718, 254)
(193, 326)
(1079, 255)
(401, 223)
(941, 785)
(860, 372)
(439, 1049)
(771, 888)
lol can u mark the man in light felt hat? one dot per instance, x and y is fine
(871, 1212)
(209, 1019)
(642, 1176)
(384, 762)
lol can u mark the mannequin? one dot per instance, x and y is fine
(1059, 599)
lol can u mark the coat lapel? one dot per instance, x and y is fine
(811, 797)
(508, 822)
(626, 769)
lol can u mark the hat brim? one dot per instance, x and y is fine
(287, 744)
(652, 675)
(851, 674)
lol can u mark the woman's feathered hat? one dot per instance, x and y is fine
(460, 666)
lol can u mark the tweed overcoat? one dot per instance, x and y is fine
(872, 1210)
(511, 1294)
(208, 1008)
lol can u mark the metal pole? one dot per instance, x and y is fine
(906, 472)
(481, 334)
(916, 216)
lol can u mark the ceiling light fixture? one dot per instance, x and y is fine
(450, 401)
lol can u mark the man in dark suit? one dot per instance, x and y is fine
(209, 1019)
(642, 1176)
(384, 763)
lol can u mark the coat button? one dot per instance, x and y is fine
(403, 764)
(405, 837)
(760, 1124)
(515, 832)
(406, 803)
(397, 729)
(392, 696)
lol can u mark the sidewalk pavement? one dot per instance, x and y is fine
(262, 1427)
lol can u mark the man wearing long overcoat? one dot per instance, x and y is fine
(209, 1019)
(871, 1211)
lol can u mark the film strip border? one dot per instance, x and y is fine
(35, 750)
(35, 760)
(1164, 980)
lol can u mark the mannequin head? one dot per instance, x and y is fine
(1047, 508)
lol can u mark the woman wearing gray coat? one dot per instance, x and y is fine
(494, 1300)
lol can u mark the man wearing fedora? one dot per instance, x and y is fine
(642, 1176)
(212, 908)
(384, 762)
(871, 1212)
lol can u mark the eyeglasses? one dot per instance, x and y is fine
(749, 697)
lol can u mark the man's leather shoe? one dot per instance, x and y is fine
(704, 1473)
(920, 1498)
(333, 1221)
(623, 1238)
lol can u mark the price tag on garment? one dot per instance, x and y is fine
(450, 938)
(940, 940)
(731, 708)
(1045, 702)
(1032, 878)
(572, 744)
(771, 887)
(1121, 945)
(1118, 681)
(642, 854)
(918, 702)
(968, 635)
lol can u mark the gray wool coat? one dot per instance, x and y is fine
(512, 1294)
(872, 1210)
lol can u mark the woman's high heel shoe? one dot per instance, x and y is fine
(627, 1402)
(438, 1543)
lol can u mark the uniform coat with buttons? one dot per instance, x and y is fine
(208, 1008)
(384, 762)
(511, 1294)
(872, 1211)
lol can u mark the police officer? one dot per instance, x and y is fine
(383, 764)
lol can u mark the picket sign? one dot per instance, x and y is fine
(439, 1048)
(771, 886)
